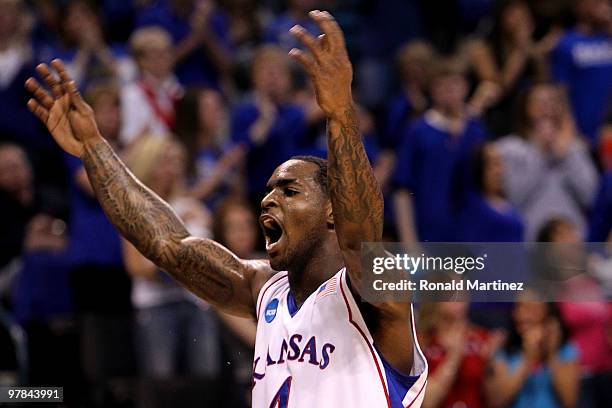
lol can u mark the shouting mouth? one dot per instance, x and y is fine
(273, 232)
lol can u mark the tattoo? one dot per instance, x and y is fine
(139, 214)
(203, 266)
(198, 257)
(355, 193)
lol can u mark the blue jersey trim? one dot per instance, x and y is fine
(398, 383)
(291, 305)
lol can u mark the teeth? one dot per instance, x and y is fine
(270, 224)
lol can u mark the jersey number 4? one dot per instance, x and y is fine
(281, 399)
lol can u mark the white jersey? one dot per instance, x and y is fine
(323, 354)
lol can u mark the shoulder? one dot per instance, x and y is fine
(265, 280)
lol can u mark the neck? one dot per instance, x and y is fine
(323, 263)
(154, 78)
(451, 112)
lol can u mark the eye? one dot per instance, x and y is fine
(290, 192)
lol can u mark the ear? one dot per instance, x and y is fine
(329, 214)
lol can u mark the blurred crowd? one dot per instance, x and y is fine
(484, 121)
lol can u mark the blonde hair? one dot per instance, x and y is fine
(416, 50)
(98, 91)
(145, 37)
(145, 153)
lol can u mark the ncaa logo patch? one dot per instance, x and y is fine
(271, 309)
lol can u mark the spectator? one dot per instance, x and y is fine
(268, 123)
(96, 267)
(458, 354)
(537, 366)
(245, 26)
(87, 56)
(277, 31)
(20, 204)
(16, 65)
(236, 228)
(486, 215)
(203, 54)
(162, 305)
(43, 307)
(512, 58)
(413, 60)
(17, 200)
(549, 169)
(587, 320)
(432, 160)
(148, 103)
(213, 164)
(582, 61)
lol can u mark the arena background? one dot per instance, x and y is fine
(485, 121)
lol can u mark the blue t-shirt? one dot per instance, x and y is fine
(584, 64)
(537, 390)
(93, 239)
(478, 221)
(195, 68)
(206, 161)
(434, 166)
(280, 144)
(398, 117)
(42, 290)
(601, 217)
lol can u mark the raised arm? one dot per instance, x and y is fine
(203, 266)
(356, 197)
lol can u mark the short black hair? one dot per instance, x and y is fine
(321, 175)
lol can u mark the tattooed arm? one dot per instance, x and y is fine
(355, 195)
(203, 266)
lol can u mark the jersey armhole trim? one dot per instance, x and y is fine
(274, 279)
(365, 338)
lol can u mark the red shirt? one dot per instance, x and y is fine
(467, 390)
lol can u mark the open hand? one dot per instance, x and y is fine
(327, 63)
(63, 111)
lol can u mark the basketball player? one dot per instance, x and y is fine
(317, 344)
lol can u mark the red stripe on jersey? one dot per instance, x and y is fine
(382, 380)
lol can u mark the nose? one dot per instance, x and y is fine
(269, 201)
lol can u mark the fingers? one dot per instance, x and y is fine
(38, 110)
(75, 96)
(307, 39)
(51, 81)
(306, 60)
(329, 27)
(69, 85)
(42, 96)
(63, 74)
